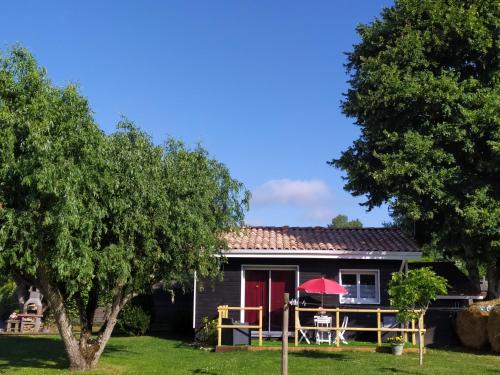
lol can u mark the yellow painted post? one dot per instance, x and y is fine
(219, 329)
(413, 335)
(337, 327)
(260, 326)
(379, 332)
(296, 326)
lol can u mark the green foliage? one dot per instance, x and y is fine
(134, 320)
(207, 336)
(7, 287)
(90, 208)
(424, 89)
(342, 221)
(8, 302)
(396, 340)
(93, 218)
(415, 291)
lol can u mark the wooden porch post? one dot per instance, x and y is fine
(296, 326)
(337, 327)
(260, 325)
(413, 335)
(284, 338)
(219, 329)
(379, 333)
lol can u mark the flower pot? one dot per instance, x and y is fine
(397, 349)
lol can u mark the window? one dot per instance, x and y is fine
(363, 286)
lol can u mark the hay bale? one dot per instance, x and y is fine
(472, 324)
(494, 329)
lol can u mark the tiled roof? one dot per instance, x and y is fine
(321, 238)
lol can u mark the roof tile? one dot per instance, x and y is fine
(321, 238)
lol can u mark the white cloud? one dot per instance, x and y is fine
(294, 192)
(321, 214)
(314, 197)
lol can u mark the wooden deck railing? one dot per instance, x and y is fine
(379, 329)
(224, 313)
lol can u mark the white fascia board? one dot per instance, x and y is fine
(322, 254)
(459, 297)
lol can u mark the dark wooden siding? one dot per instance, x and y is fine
(228, 291)
(172, 314)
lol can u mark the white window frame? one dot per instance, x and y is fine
(358, 300)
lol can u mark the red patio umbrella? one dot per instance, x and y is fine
(322, 286)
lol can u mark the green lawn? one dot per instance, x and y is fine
(349, 344)
(151, 355)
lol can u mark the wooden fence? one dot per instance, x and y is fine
(379, 329)
(224, 313)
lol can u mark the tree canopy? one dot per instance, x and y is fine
(412, 293)
(424, 89)
(91, 218)
(342, 221)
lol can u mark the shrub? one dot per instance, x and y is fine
(8, 300)
(133, 320)
(415, 290)
(207, 335)
(396, 340)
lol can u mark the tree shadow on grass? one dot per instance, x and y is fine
(394, 370)
(464, 350)
(204, 372)
(35, 352)
(320, 355)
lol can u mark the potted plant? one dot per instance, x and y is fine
(397, 344)
(412, 292)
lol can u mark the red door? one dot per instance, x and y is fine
(281, 282)
(256, 294)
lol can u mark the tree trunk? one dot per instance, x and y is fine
(105, 333)
(77, 361)
(420, 340)
(83, 354)
(21, 295)
(493, 275)
(21, 290)
(472, 266)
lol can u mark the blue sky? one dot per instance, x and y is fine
(257, 83)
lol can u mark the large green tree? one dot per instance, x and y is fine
(91, 218)
(424, 89)
(342, 221)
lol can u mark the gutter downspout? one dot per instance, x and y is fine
(404, 266)
(194, 300)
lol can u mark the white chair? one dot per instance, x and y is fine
(323, 321)
(303, 334)
(342, 331)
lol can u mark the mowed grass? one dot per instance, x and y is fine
(152, 355)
